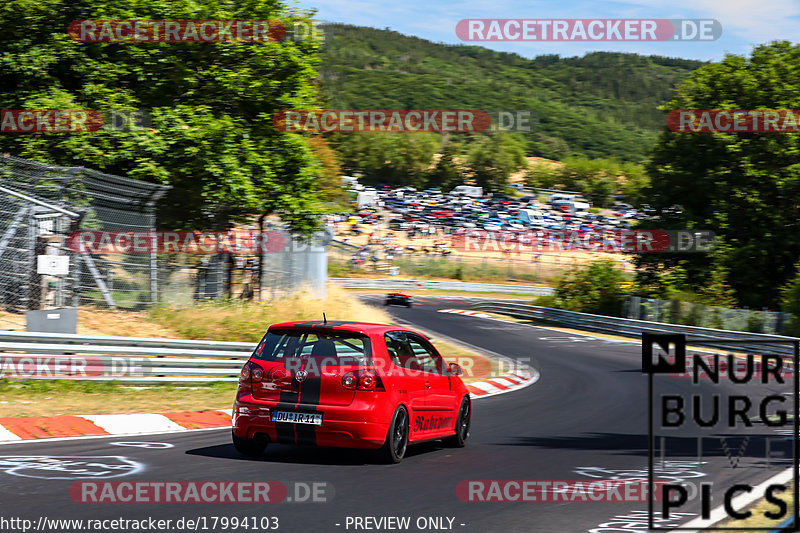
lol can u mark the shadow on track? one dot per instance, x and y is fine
(311, 455)
(637, 444)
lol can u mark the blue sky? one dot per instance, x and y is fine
(745, 23)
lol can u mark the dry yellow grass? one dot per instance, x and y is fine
(247, 322)
(93, 321)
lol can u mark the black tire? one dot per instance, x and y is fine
(459, 440)
(408, 304)
(249, 447)
(394, 449)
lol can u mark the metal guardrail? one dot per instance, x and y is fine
(113, 340)
(29, 355)
(394, 284)
(712, 338)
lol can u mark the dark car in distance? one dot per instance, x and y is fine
(396, 298)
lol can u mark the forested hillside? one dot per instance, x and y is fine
(600, 105)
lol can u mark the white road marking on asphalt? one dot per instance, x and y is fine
(148, 445)
(134, 423)
(31, 442)
(69, 466)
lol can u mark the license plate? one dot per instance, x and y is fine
(297, 418)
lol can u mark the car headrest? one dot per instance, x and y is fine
(324, 348)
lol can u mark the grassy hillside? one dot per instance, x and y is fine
(602, 104)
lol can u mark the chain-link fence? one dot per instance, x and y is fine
(41, 206)
(249, 273)
(70, 236)
(707, 316)
(31, 227)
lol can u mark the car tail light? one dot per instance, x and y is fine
(252, 372)
(365, 380)
(350, 381)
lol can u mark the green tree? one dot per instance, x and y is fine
(329, 184)
(388, 158)
(542, 175)
(717, 291)
(447, 173)
(595, 288)
(492, 158)
(743, 186)
(595, 178)
(790, 302)
(671, 283)
(212, 104)
(632, 183)
(603, 104)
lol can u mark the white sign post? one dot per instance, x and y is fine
(52, 265)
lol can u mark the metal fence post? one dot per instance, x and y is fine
(150, 215)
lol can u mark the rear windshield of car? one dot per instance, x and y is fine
(335, 347)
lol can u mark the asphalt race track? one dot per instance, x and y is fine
(585, 419)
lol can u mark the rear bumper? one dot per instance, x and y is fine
(353, 426)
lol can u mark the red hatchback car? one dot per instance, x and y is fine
(350, 385)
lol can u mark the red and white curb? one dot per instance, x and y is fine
(502, 384)
(523, 375)
(21, 428)
(466, 312)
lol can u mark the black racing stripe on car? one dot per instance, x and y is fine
(313, 324)
(285, 430)
(310, 391)
(307, 433)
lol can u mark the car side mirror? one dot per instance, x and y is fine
(455, 369)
